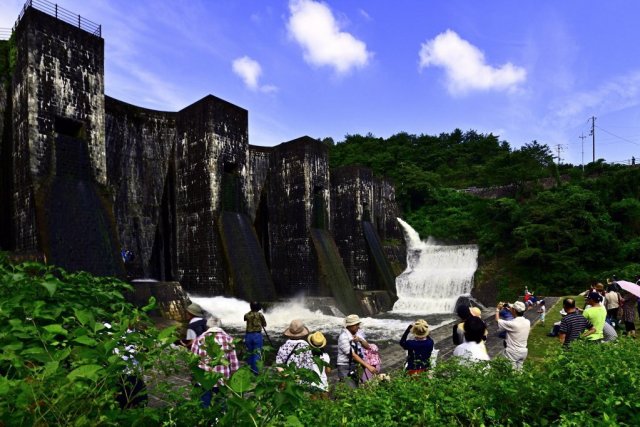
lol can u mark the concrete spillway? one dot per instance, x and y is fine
(78, 227)
(332, 272)
(383, 267)
(248, 268)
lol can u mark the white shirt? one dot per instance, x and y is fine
(344, 345)
(517, 332)
(322, 372)
(471, 351)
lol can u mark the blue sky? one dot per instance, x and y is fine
(523, 70)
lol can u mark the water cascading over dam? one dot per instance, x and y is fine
(436, 275)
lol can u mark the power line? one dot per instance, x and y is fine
(618, 136)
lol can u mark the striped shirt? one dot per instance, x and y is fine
(573, 325)
(225, 341)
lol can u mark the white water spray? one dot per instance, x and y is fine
(436, 275)
(231, 311)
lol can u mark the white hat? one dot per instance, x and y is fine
(519, 306)
(352, 319)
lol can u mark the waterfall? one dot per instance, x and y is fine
(436, 275)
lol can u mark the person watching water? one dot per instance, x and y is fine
(350, 344)
(418, 349)
(473, 349)
(253, 334)
(517, 333)
(197, 324)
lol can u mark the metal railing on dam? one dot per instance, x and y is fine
(62, 14)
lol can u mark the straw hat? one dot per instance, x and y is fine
(475, 311)
(195, 309)
(420, 328)
(352, 319)
(296, 329)
(317, 340)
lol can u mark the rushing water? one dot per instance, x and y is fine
(428, 289)
(436, 275)
(383, 327)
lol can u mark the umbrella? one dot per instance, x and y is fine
(630, 287)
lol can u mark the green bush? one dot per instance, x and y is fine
(587, 385)
(60, 364)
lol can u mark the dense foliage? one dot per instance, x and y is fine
(59, 366)
(553, 230)
(588, 385)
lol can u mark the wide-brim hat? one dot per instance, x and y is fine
(352, 319)
(296, 329)
(420, 328)
(195, 309)
(475, 311)
(317, 340)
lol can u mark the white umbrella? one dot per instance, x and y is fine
(630, 287)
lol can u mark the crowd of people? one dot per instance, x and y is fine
(358, 360)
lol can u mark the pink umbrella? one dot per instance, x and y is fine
(630, 287)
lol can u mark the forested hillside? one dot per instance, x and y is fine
(554, 238)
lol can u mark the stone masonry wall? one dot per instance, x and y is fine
(59, 75)
(212, 135)
(6, 163)
(299, 169)
(139, 144)
(259, 160)
(384, 214)
(352, 200)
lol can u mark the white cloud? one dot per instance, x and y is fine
(153, 90)
(465, 65)
(249, 71)
(619, 93)
(365, 15)
(313, 26)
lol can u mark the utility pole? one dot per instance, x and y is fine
(559, 147)
(593, 134)
(582, 137)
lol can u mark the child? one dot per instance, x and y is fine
(542, 310)
(253, 336)
(317, 341)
